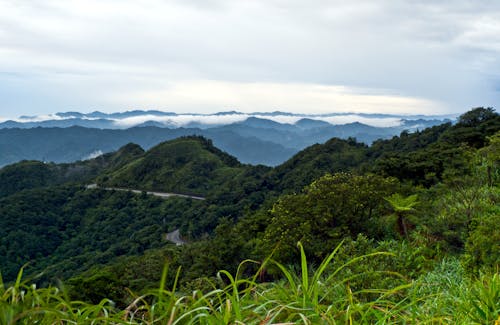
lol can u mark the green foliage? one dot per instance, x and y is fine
(482, 300)
(324, 296)
(452, 297)
(189, 165)
(474, 127)
(34, 174)
(307, 296)
(333, 156)
(402, 207)
(331, 208)
(99, 286)
(490, 159)
(424, 156)
(69, 230)
(482, 246)
(463, 203)
(24, 175)
(477, 116)
(402, 204)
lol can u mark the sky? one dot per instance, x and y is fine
(205, 56)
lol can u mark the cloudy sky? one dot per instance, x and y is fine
(309, 56)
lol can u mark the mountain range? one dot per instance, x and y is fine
(127, 119)
(257, 138)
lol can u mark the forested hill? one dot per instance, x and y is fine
(32, 174)
(190, 165)
(423, 196)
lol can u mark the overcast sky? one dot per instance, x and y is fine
(311, 56)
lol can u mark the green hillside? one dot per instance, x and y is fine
(33, 174)
(189, 165)
(335, 155)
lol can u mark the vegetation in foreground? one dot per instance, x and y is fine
(307, 295)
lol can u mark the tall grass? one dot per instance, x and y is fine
(447, 295)
(304, 296)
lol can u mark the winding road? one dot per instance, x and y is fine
(158, 194)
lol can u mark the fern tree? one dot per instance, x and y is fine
(402, 208)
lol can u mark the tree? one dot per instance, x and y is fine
(482, 248)
(473, 127)
(491, 158)
(402, 207)
(330, 209)
(476, 116)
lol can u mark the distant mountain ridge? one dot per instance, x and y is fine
(123, 120)
(256, 138)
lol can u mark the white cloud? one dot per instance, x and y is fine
(110, 54)
(182, 120)
(208, 120)
(378, 122)
(211, 120)
(93, 155)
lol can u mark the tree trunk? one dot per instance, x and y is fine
(402, 229)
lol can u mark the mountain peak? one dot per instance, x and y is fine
(307, 123)
(186, 165)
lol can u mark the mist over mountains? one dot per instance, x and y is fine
(123, 120)
(255, 138)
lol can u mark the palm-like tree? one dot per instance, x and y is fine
(402, 207)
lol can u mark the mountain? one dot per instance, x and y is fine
(256, 142)
(62, 123)
(69, 228)
(101, 115)
(261, 123)
(152, 123)
(335, 155)
(256, 138)
(33, 174)
(76, 143)
(299, 137)
(189, 165)
(123, 120)
(307, 123)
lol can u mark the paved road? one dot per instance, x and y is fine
(175, 237)
(158, 194)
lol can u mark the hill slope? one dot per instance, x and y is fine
(189, 165)
(61, 145)
(33, 174)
